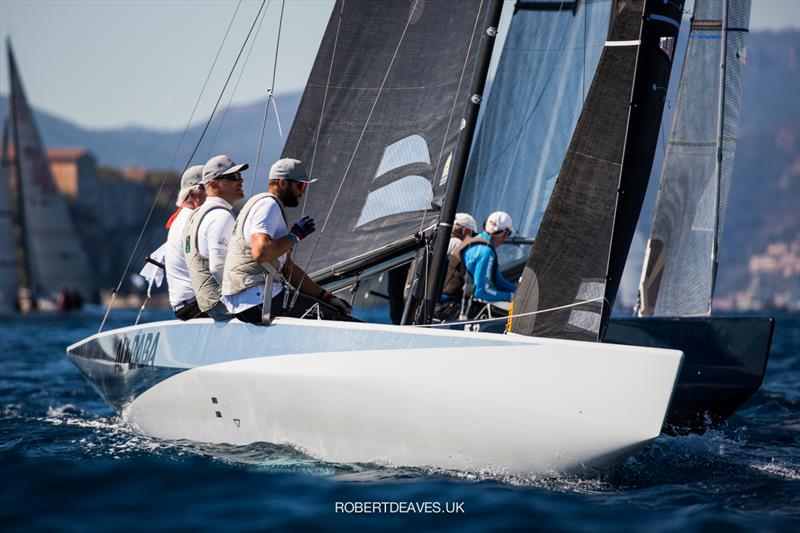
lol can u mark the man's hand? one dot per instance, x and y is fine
(337, 303)
(302, 229)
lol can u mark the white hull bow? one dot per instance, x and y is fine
(364, 393)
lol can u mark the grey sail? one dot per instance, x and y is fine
(8, 259)
(54, 257)
(378, 124)
(549, 59)
(573, 271)
(678, 273)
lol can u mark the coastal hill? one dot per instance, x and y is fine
(760, 249)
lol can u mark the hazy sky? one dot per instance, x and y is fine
(114, 63)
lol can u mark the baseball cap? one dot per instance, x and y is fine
(220, 165)
(465, 220)
(289, 169)
(498, 221)
(190, 179)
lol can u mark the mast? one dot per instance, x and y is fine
(448, 213)
(723, 54)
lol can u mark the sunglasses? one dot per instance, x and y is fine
(236, 176)
(301, 185)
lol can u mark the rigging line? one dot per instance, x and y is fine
(270, 92)
(316, 137)
(166, 173)
(484, 320)
(236, 87)
(369, 116)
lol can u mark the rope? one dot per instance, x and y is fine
(465, 322)
(177, 184)
(270, 92)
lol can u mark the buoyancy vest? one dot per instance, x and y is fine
(206, 288)
(457, 270)
(241, 271)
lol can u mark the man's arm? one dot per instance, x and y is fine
(484, 285)
(265, 248)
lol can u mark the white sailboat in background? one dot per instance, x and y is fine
(8, 259)
(54, 263)
(354, 392)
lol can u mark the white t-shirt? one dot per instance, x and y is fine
(453, 245)
(178, 282)
(264, 217)
(213, 236)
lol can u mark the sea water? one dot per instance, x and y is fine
(67, 463)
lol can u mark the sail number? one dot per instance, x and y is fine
(141, 350)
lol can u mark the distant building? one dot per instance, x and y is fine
(74, 170)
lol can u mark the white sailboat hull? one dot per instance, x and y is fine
(411, 397)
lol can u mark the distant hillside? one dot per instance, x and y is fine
(154, 149)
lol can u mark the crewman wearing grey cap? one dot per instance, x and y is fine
(208, 230)
(181, 294)
(259, 250)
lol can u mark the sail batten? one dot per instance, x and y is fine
(586, 230)
(394, 79)
(679, 268)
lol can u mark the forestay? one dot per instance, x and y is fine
(548, 62)
(379, 121)
(587, 228)
(54, 255)
(678, 273)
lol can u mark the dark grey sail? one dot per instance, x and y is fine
(549, 59)
(55, 259)
(586, 231)
(8, 256)
(379, 122)
(679, 267)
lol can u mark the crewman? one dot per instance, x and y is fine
(181, 294)
(208, 231)
(464, 226)
(259, 251)
(481, 261)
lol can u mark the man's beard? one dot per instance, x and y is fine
(290, 200)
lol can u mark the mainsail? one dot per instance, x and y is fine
(379, 122)
(8, 260)
(548, 62)
(54, 257)
(586, 231)
(679, 267)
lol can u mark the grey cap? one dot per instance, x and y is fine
(289, 169)
(220, 166)
(192, 177)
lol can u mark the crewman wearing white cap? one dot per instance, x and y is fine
(208, 230)
(481, 261)
(464, 226)
(260, 246)
(181, 294)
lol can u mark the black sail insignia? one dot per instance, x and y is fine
(379, 121)
(573, 272)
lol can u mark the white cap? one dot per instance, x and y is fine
(498, 221)
(190, 179)
(219, 166)
(465, 220)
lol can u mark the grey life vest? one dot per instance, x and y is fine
(206, 288)
(241, 271)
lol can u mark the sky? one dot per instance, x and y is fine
(143, 63)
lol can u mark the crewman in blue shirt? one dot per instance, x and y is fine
(481, 260)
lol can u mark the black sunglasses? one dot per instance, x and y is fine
(236, 176)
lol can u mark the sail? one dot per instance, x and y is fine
(54, 257)
(587, 227)
(8, 259)
(548, 62)
(678, 273)
(379, 121)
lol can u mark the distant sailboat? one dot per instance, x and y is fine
(53, 256)
(8, 258)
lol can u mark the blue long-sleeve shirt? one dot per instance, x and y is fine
(490, 285)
